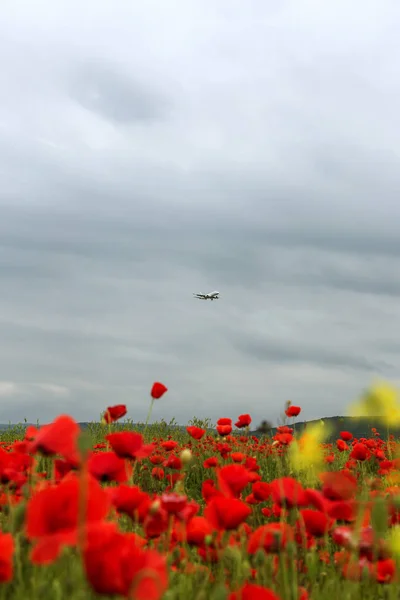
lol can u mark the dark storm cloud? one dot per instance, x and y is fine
(251, 150)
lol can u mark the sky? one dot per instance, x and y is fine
(150, 150)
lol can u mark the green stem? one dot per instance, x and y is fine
(148, 416)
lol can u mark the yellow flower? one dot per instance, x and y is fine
(306, 453)
(381, 401)
(393, 539)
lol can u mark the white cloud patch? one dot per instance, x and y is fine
(54, 390)
(8, 388)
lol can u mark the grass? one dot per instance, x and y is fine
(294, 573)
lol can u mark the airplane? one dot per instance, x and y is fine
(210, 296)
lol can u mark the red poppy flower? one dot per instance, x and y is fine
(303, 594)
(338, 485)
(261, 490)
(59, 437)
(173, 462)
(130, 500)
(211, 462)
(223, 430)
(284, 429)
(288, 492)
(271, 537)
(14, 467)
(208, 490)
(243, 421)
(293, 411)
(232, 479)
(197, 529)
(52, 515)
(343, 510)
(238, 457)
(158, 390)
(385, 570)
(224, 421)
(63, 467)
(173, 503)
(169, 445)
(226, 513)
(360, 452)
(156, 459)
(283, 438)
(316, 523)
(6, 557)
(158, 473)
(128, 444)
(115, 565)
(156, 523)
(341, 445)
(251, 591)
(113, 413)
(107, 466)
(346, 436)
(195, 432)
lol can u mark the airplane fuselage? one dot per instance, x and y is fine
(210, 296)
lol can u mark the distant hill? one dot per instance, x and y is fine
(359, 427)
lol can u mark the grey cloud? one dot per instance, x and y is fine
(277, 352)
(253, 152)
(105, 89)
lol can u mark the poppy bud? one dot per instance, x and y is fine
(186, 456)
(155, 507)
(259, 558)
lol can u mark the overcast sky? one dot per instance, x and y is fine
(149, 150)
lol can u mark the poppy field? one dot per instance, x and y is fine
(201, 514)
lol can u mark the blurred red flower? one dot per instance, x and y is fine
(341, 445)
(224, 421)
(128, 444)
(130, 500)
(270, 538)
(293, 411)
(113, 413)
(226, 513)
(251, 591)
(6, 557)
(107, 466)
(59, 437)
(232, 479)
(195, 432)
(261, 490)
(360, 452)
(316, 522)
(115, 565)
(52, 515)
(288, 492)
(224, 426)
(243, 421)
(197, 529)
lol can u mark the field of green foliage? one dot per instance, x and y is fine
(179, 514)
